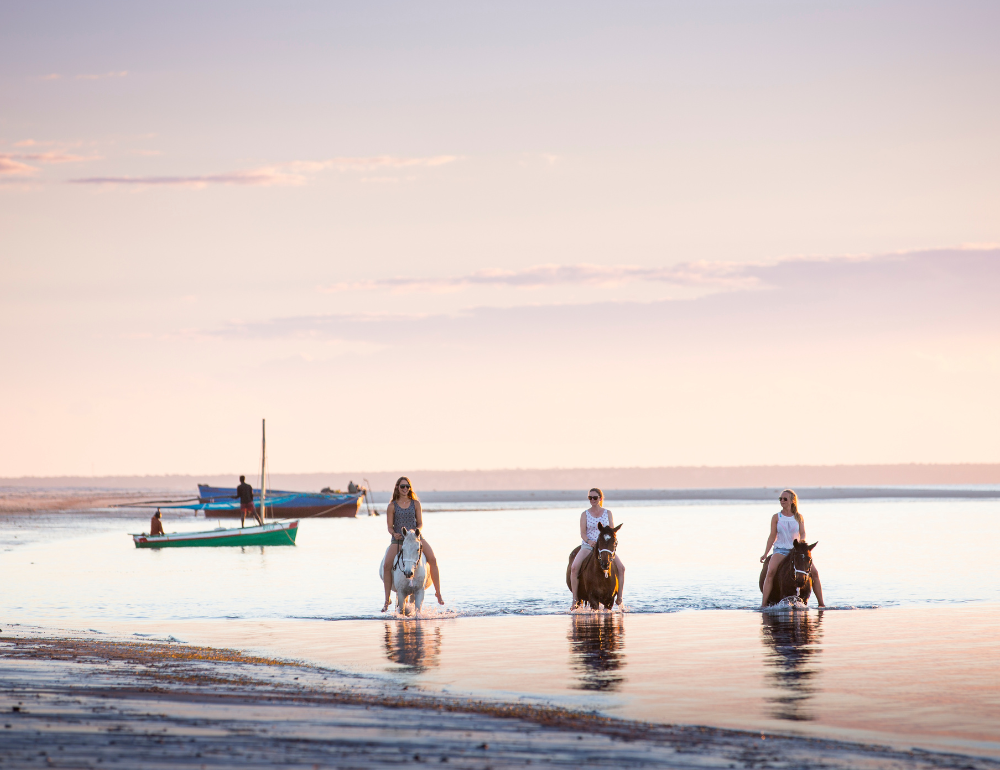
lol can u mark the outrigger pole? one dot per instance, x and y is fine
(263, 466)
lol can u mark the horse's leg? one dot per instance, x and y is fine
(620, 570)
(772, 567)
(817, 586)
(387, 573)
(574, 575)
(432, 562)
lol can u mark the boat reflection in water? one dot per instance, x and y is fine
(792, 642)
(597, 650)
(414, 645)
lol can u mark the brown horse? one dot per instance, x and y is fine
(598, 583)
(792, 577)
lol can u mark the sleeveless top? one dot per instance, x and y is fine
(404, 517)
(592, 531)
(788, 530)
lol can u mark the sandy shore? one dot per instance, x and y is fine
(83, 702)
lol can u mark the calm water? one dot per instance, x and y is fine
(911, 656)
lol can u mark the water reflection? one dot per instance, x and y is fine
(597, 650)
(414, 645)
(792, 641)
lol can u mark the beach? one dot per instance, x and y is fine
(72, 701)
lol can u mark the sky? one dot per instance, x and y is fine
(497, 235)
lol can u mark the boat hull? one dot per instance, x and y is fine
(270, 534)
(303, 504)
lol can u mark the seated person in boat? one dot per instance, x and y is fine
(245, 494)
(155, 525)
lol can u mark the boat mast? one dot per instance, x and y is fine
(263, 468)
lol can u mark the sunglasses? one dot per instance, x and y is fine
(404, 486)
(593, 497)
(783, 499)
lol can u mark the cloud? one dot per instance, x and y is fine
(263, 177)
(10, 167)
(386, 161)
(118, 74)
(281, 174)
(718, 274)
(58, 157)
(909, 295)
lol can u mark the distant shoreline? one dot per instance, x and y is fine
(516, 480)
(55, 499)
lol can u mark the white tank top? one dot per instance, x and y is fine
(788, 530)
(592, 532)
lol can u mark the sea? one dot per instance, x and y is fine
(907, 653)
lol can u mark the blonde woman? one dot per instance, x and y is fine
(404, 511)
(786, 527)
(589, 519)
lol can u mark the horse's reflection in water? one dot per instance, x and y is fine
(597, 650)
(414, 645)
(792, 642)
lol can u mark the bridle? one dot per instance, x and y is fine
(796, 571)
(611, 551)
(401, 564)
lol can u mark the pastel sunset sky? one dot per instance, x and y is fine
(496, 235)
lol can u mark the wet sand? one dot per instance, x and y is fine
(75, 702)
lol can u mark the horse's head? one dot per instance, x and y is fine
(409, 551)
(801, 562)
(607, 544)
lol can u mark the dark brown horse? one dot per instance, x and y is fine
(792, 577)
(598, 583)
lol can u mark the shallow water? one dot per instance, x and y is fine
(510, 561)
(917, 664)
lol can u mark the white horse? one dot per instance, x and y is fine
(410, 575)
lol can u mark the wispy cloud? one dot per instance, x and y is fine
(9, 166)
(714, 274)
(58, 157)
(281, 174)
(264, 177)
(946, 292)
(104, 75)
(87, 76)
(12, 164)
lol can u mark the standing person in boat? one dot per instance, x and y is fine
(589, 520)
(786, 527)
(245, 494)
(155, 525)
(404, 511)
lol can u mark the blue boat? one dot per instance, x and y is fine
(283, 505)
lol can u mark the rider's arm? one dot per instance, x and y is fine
(583, 528)
(420, 516)
(802, 529)
(389, 515)
(772, 537)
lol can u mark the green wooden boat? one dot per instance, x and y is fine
(268, 533)
(272, 533)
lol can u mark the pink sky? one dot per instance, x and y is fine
(481, 237)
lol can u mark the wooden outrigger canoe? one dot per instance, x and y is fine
(276, 533)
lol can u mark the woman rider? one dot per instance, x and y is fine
(409, 516)
(589, 532)
(786, 527)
